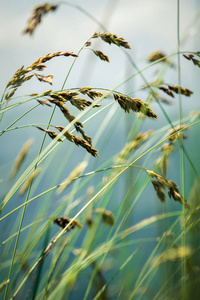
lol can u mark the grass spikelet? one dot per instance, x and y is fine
(155, 56)
(67, 134)
(90, 93)
(79, 141)
(59, 98)
(46, 93)
(111, 39)
(107, 216)
(69, 117)
(131, 146)
(21, 157)
(29, 181)
(43, 78)
(89, 195)
(38, 13)
(167, 91)
(64, 96)
(42, 102)
(18, 79)
(72, 176)
(176, 88)
(81, 103)
(173, 254)
(51, 133)
(20, 75)
(179, 134)
(128, 103)
(88, 44)
(183, 91)
(65, 111)
(101, 55)
(39, 63)
(192, 219)
(162, 183)
(195, 61)
(9, 95)
(63, 221)
(84, 135)
(163, 161)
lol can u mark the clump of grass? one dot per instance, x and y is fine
(110, 200)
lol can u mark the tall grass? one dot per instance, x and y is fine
(90, 210)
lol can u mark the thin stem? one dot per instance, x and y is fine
(182, 168)
(7, 129)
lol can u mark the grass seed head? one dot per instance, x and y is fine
(177, 133)
(134, 104)
(79, 141)
(183, 91)
(42, 102)
(29, 181)
(155, 56)
(107, 216)
(101, 55)
(163, 161)
(167, 91)
(195, 61)
(131, 146)
(111, 39)
(43, 78)
(21, 157)
(38, 13)
(63, 221)
(172, 254)
(51, 133)
(162, 183)
(72, 176)
(176, 89)
(90, 93)
(9, 95)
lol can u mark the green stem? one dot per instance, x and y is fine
(182, 168)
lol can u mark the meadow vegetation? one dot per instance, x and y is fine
(78, 232)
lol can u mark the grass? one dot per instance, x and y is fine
(91, 210)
